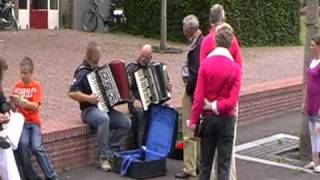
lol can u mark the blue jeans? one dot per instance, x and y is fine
(30, 141)
(107, 143)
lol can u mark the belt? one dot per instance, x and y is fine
(208, 113)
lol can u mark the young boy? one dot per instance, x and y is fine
(27, 98)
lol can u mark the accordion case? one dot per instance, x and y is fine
(150, 160)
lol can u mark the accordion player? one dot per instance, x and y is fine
(110, 84)
(152, 84)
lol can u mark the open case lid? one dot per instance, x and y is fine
(162, 127)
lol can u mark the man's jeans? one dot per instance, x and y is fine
(30, 141)
(102, 122)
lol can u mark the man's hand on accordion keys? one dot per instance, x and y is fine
(137, 104)
(92, 98)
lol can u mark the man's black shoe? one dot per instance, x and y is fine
(183, 175)
(4, 143)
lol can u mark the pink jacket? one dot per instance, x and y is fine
(208, 44)
(219, 80)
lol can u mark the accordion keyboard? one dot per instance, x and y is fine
(108, 84)
(144, 88)
(102, 105)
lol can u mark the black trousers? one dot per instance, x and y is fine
(218, 134)
(139, 124)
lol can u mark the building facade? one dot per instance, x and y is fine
(55, 14)
(43, 14)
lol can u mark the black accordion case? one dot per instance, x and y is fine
(150, 160)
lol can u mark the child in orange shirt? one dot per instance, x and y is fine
(27, 94)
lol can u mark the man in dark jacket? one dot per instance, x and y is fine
(139, 120)
(189, 75)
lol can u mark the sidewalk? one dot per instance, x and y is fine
(288, 123)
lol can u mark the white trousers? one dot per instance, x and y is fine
(8, 167)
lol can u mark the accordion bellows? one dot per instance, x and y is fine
(110, 84)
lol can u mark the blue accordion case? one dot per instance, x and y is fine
(150, 160)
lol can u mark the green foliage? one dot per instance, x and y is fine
(256, 22)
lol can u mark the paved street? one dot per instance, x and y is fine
(288, 123)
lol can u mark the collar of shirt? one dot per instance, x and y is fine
(193, 39)
(314, 63)
(221, 51)
(87, 64)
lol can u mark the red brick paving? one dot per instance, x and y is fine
(57, 53)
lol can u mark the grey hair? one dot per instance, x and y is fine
(224, 36)
(191, 21)
(224, 26)
(217, 14)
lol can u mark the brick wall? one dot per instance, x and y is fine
(267, 100)
(76, 147)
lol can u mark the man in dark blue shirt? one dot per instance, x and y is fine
(80, 91)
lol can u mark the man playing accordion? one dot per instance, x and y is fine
(136, 107)
(90, 113)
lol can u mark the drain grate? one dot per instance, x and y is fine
(278, 150)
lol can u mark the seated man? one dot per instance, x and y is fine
(80, 91)
(135, 108)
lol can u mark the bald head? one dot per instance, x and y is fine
(145, 55)
(146, 49)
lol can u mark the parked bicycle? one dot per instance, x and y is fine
(90, 18)
(8, 17)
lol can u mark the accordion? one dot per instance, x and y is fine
(110, 84)
(152, 84)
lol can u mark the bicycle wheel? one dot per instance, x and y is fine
(89, 20)
(8, 23)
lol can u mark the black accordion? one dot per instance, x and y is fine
(152, 84)
(110, 84)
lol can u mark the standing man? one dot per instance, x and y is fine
(216, 18)
(135, 107)
(189, 76)
(218, 82)
(80, 91)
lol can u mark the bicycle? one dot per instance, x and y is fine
(8, 16)
(91, 17)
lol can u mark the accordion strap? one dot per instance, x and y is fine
(82, 67)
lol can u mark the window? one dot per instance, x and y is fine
(53, 4)
(23, 4)
(39, 4)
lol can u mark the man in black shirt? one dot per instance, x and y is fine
(135, 108)
(80, 91)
